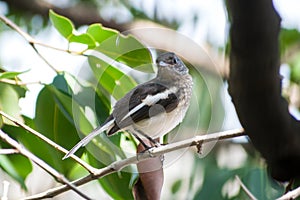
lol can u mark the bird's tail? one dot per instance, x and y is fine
(88, 138)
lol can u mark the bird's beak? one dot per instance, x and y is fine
(162, 63)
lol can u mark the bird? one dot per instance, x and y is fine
(151, 109)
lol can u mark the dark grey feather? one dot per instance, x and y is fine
(134, 98)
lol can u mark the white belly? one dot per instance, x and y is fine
(161, 124)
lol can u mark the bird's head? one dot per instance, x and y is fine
(169, 61)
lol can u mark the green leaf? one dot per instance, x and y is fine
(110, 78)
(288, 37)
(1, 121)
(117, 185)
(108, 149)
(50, 121)
(62, 24)
(261, 185)
(295, 68)
(176, 186)
(83, 39)
(9, 101)
(73, 108)
(214, 178)
(10, 75)
(74, 105)
(100, 33)
(17, 167)
(127, 50)
(295, 73)
(72, 111)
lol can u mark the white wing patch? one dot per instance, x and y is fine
(152, 99)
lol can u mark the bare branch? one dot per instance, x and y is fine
(59, 177)
(154, 152)
(13, 26)
(48, 141)
(291, 194)
(79, 13)
(246, 190)
(8, 151)
(17, 82)
(27, 37)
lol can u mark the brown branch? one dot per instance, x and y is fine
(255, 86)
(80, 14)
(28, 38)
(154, 152)
(143, 30)
(151, 176)
(89, 168)
(84, 14)
(59, 177)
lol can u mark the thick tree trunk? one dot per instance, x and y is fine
(255, 86)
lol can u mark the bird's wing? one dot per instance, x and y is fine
(134, 107)
(144, 101)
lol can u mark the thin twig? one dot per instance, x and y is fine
(17, 82)
(291, 194)
(89, 168)
(30, 39)
(154, 152)
(33, 42)
(12, 25)
(44, 59)
(59, 177)
(59, 49)
(8, 151)
(27, 37)
(246, 190)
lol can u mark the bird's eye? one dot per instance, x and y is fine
(174, 60)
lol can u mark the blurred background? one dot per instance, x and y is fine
(201, 23)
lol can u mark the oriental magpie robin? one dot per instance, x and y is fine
(151, 109)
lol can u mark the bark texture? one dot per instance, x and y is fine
(255, 86)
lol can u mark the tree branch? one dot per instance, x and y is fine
(246, 190)
(28, 38)
(59, 177)
(89, 168)
(80, 13)
(291, 194)
(8, 151)
(154, 152)
(18, 82)
(255, 86)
